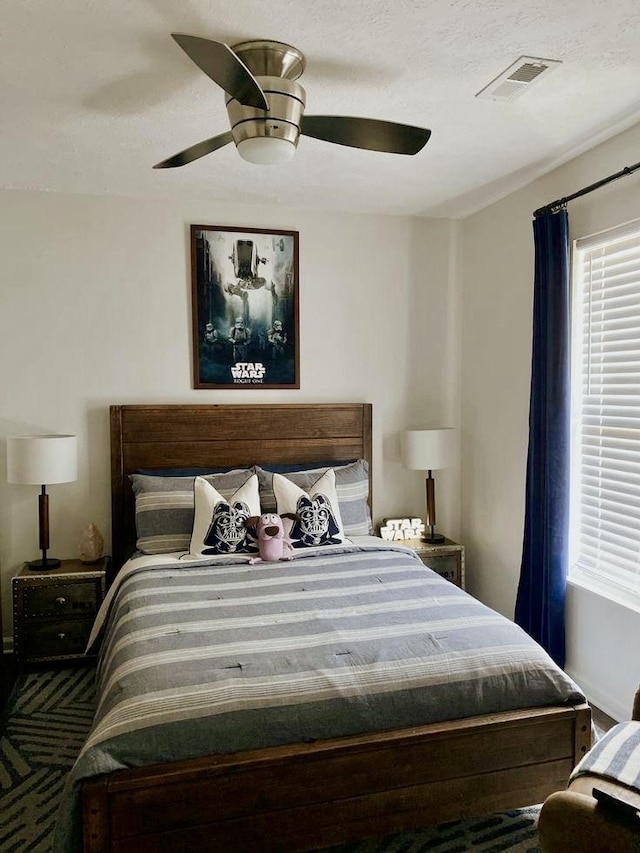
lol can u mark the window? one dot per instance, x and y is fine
(605, 487)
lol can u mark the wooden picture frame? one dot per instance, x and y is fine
(245, 307)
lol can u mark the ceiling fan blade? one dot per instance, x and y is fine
(196, 151)
(225, 68)
(369, 133)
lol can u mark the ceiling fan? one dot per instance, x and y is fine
(266, 106)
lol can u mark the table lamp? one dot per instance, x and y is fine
(428, 450)
(39, 460)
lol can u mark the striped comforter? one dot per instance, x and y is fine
(221, 656)
(615, 757)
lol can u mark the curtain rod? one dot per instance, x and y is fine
(561, 202)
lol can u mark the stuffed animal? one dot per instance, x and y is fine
(273, 543)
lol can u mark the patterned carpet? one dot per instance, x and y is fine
(46, 723)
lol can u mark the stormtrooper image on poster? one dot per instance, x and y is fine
(245, 304)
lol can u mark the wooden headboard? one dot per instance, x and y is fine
(201, 436)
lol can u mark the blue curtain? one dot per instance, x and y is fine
(543, 574)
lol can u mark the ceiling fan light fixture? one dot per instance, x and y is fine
(266, 111)
(266, 150)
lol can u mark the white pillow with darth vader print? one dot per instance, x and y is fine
(220, 524)
(318, 521)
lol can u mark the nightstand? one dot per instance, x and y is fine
(446, 558)
(53, 611)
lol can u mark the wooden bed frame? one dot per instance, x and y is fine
(310, 795)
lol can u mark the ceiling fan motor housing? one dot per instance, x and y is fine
(268, 58)
(286, 101)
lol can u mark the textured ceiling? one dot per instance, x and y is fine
(94, 92)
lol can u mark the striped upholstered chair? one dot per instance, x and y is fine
(585, 821)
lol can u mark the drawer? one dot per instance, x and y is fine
(60, 599)
(55, 639)
(446, 565)
(449, 573)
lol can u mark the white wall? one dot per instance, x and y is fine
(429, 320)
(496, 272)
(95, 310)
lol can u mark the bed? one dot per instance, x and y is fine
(314, 788)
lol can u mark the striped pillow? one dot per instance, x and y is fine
(165, 508)
(352, 487)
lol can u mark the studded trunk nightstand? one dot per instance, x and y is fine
(446, 558)
(53, 611)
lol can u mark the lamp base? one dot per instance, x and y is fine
(44, 565)
(434, 539)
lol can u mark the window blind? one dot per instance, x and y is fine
(605, 493)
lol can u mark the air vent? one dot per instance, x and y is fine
(520, 76)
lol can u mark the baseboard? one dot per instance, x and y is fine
(611, 708)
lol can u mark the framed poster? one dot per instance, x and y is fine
(245, 307)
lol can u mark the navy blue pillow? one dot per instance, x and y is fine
(185, 472)
(303, 466)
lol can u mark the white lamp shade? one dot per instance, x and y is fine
(42, 459)
(427, 449)
(266, 150)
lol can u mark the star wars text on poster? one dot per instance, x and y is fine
(248, 372)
